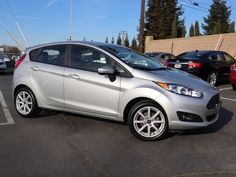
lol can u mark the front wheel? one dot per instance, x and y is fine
(25, 103)
(147, 121)
(234, 86)
(212, 78)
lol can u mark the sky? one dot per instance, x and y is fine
(44, 21)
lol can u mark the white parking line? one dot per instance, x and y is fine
(229, 99)
(228, 88)
(6, 111)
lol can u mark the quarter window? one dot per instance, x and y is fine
(54, 55)
(86, 58)
(228, 57)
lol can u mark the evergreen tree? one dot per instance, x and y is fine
(112, 40)
(232, 27)
(219, 14)
(160, 16)
(127, 41)
(106, 40)
(217, 29)
(183, 32)
(197, 29)
(134, 45)
(191, 31)
(174, 28)
(118, 42)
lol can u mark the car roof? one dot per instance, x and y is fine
(95, 44)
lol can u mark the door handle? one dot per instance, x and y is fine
(35, 68)
(74, 76)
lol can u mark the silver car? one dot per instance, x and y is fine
(112, 82)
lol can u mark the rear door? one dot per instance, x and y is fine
(46, 74)
(87, 91)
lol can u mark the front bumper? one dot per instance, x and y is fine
(173, 103)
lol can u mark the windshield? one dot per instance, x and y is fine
(192, 55)
(132, 58)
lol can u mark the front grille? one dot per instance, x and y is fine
(214, 101)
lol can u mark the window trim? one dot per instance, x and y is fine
(126, 73)
(42, 48)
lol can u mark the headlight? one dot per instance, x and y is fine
(180, 89)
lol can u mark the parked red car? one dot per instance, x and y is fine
(233, 76)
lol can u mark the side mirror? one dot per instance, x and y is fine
(106, 70)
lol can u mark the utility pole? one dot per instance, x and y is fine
(70, 22)
(141, 27)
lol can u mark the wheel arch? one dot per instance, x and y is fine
(132, 102)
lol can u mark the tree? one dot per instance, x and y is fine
(197, 29)
(112, 40)
(160, 16)
(141, 37)
(219, 15)
(232, 27)
(127, 41)
(183, 32)
(134, 45)
(118, 42)
(106, 40)
(191, 31)
(174, 28)
(217, 29)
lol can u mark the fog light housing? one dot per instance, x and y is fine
(189, 117)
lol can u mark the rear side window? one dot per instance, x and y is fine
(54, 55)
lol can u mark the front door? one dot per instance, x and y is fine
(85, 90)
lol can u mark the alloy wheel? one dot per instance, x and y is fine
(149, 122)
(24, 103)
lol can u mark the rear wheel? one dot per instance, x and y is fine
(25, 103)
(212, 78)
(147, 121)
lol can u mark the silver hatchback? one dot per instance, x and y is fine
(112, 82)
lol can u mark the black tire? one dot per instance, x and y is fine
(234, 86)
(212, 78)
(34, 108)
(161, 117)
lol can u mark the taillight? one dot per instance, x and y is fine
(196, 65)
(166, 63)
(18, 62)
(233, 67)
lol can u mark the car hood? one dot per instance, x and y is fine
(169, 75)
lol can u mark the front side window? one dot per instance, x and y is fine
(86, 58)
(132, 58)
(215, 57)
(54, 55)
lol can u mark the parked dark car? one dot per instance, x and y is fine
(162, 57)
(233, 76)
(211, 66)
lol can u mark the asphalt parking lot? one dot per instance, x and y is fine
(58, 144)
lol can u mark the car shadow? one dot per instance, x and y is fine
(224, 118)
